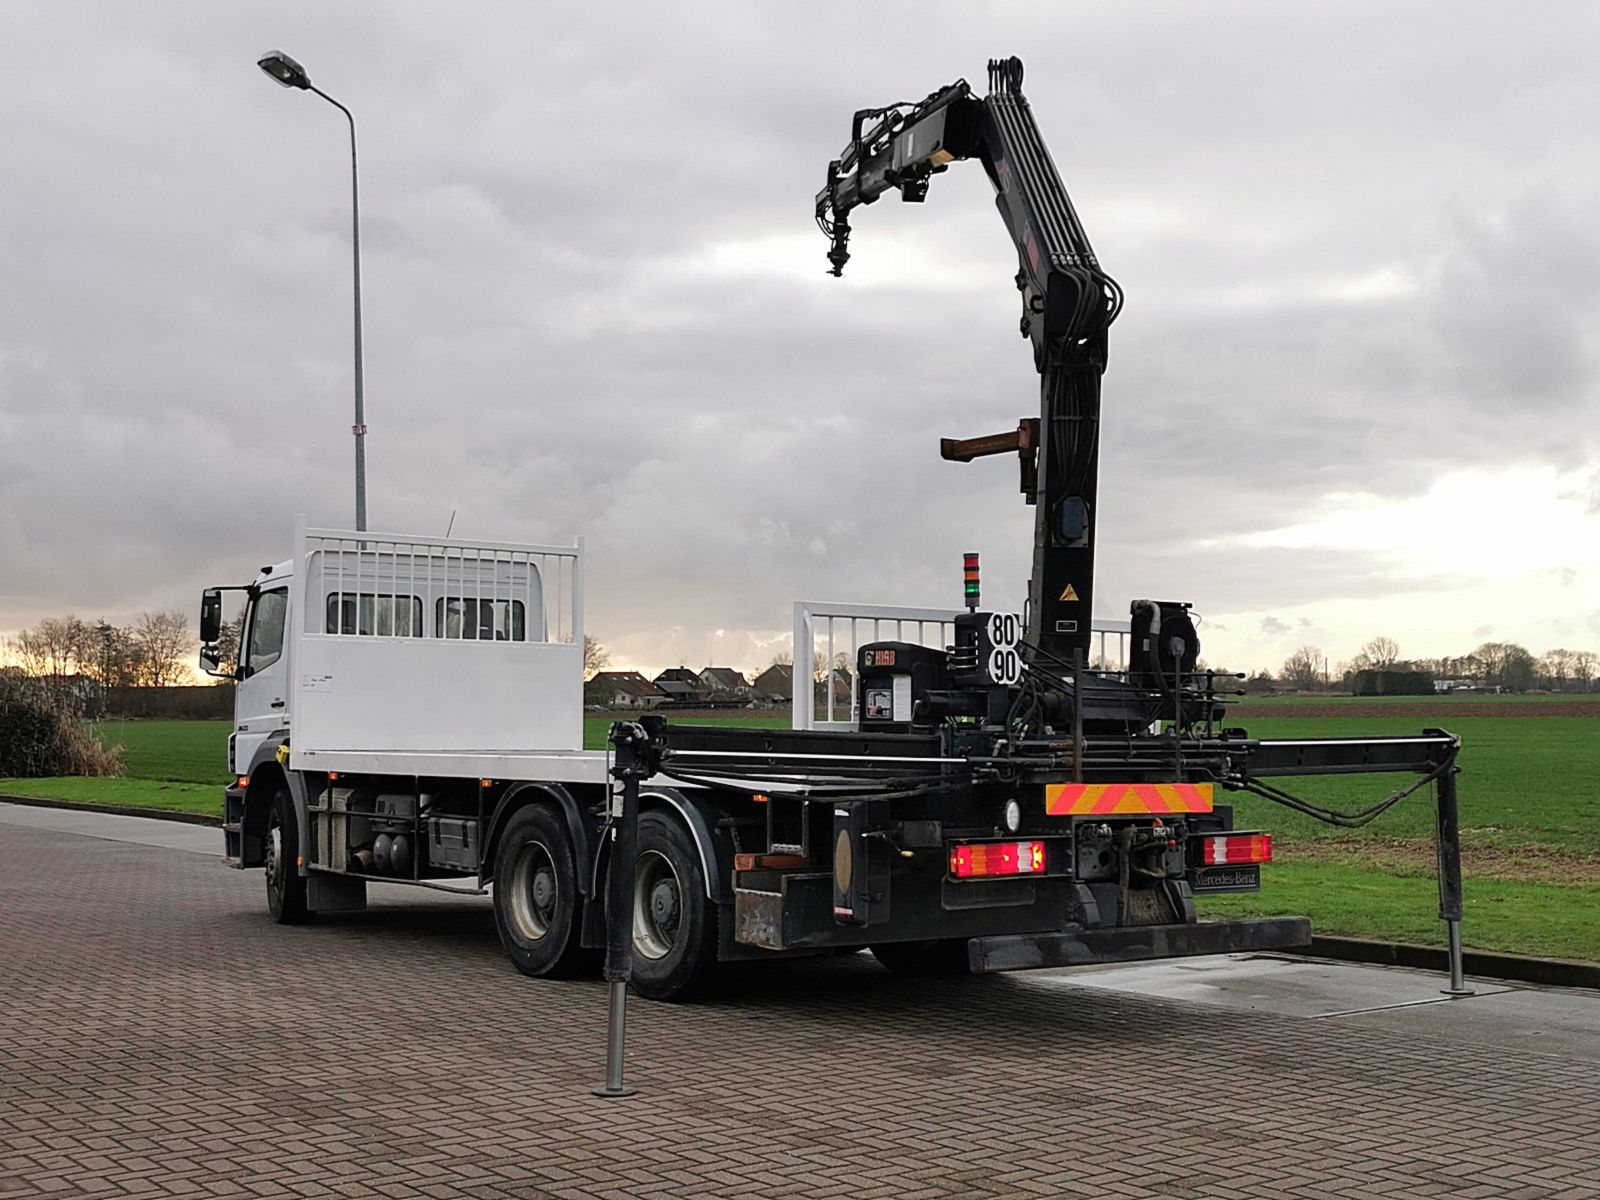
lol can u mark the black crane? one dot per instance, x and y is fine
(1068, 304)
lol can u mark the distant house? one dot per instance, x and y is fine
(622, 689)
(841, 696)
(775, 685)
(680, 685)
(723, 683)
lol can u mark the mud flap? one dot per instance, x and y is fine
(335, 893)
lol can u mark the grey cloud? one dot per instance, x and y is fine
(550, 350)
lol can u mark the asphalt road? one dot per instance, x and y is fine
(161, 1037)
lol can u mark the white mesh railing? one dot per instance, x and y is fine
(827, 637)
(386, 585)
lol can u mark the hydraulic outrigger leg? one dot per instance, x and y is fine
(636, 758)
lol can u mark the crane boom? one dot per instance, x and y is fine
(1068, 304)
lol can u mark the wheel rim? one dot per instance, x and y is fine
(274, 863)
(657, 905)
(535, 892)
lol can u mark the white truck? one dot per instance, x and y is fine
(410, 710)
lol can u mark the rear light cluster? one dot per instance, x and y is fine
(1226, 850)
(979, 859)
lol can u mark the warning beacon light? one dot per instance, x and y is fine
(969, 574)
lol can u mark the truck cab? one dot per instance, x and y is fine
(262, 695)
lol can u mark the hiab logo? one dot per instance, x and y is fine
(1070, 594)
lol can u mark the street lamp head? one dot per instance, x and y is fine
(284, 69)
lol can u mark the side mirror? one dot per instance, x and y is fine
(210, 617)
(209, 661)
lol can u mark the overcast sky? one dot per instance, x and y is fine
(1355, 389)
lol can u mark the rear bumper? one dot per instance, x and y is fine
(1027, 951)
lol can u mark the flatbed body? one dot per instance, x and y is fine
(587, 767)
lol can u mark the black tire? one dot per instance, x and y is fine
(286, 887)
(536, 898)
(924, 960)
(674, 923)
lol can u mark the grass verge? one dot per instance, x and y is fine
(1499, 914)
(122, 793)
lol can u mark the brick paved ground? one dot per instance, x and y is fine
(161, 1038)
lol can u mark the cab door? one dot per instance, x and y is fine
(261, 706)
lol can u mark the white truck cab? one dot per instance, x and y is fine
(261, 699)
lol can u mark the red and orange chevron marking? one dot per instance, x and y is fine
(1122, 799)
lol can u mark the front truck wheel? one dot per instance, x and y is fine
(924, 960)
(286, 887)
(674, 923)
(536, 895)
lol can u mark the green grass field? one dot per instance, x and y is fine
(1524, 779)
(1529, 788)
(1562, 921)
(1442, 703)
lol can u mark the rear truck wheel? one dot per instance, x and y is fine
(536, 895)
(674, 924)
(924, 960)
(286, 887)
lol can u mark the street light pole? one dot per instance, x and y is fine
(104, 630)
(285, 71)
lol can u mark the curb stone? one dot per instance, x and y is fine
(116, 810)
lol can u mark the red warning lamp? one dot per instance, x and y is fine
(969, 574)
(975, 860)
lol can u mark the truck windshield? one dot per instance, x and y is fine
(266, 630)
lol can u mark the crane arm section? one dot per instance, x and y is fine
(1068, 304)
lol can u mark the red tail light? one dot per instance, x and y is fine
(996, 858)
(1228, 849)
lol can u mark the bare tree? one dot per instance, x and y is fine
(1380, 654)
(1585, 664)
(819, 666)
(1302, 670)
(163, 642)
(122, 658)
(1556, 667)
(1506, 665)
(28, 653)
(783, 658)
(596, 658)
(54, 648)
(228, 642)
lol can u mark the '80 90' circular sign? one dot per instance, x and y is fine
(1005, 663)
